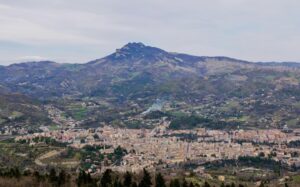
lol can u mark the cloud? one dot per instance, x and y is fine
(81, 30)
(32, 58)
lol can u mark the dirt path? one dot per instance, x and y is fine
(38, 161)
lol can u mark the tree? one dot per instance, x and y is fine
(106, 179)
(37, 176)
(118, 154)
(206, 184)
(184, 184)
(16, 172)
(84, 179)
(146, 180)
(127, 179)
(96, 136)
(175, 183)
(261, 154)
(232, 185)
(61, 178)
(159, 181)
(52, 176)
(117, 183)
(192, 184)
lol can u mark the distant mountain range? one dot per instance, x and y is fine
(140, 73)
(135, 63)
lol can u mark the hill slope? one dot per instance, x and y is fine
(259, 94)
(19, 112)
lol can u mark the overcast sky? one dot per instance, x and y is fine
(77, 31)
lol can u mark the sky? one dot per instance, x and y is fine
(77, 31)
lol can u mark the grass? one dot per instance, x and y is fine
(64, 115)
(239, 119)
(233, 104)
(230, 105)
(78, 112)
(195, 180)
(244, 118)
(16, 114)
(297, 105)
(2, 120)
(296, 179)
(293, 122)
(53, 127)
(270, 77)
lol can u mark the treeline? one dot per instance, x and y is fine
(294, 144)
(248, 161)
(46, 140)
(112, 179)
(13, 177)
(53, 178)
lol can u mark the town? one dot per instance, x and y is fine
(160, 147)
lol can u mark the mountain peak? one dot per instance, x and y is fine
(134, 45)
(136, 50)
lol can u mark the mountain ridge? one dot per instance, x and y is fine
(139, 47)
(128, 65)
(226, 90)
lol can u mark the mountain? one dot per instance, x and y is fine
(134, 63)
(221, 87)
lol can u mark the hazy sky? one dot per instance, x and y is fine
(83, 30)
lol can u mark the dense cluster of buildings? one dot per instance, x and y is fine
(159, 146)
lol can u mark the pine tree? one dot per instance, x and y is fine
(134, 184)
(37, 176)
(106, 179)
(88, 178)
(84, 179)
(127, 179)
(17, 172)
(117, 183)
(184, 184)
(206, 184)
(175, 183)
(146, 180)
(52, 176)
(171, 183)
(61, 178)
(159, 181)
(81, 177)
